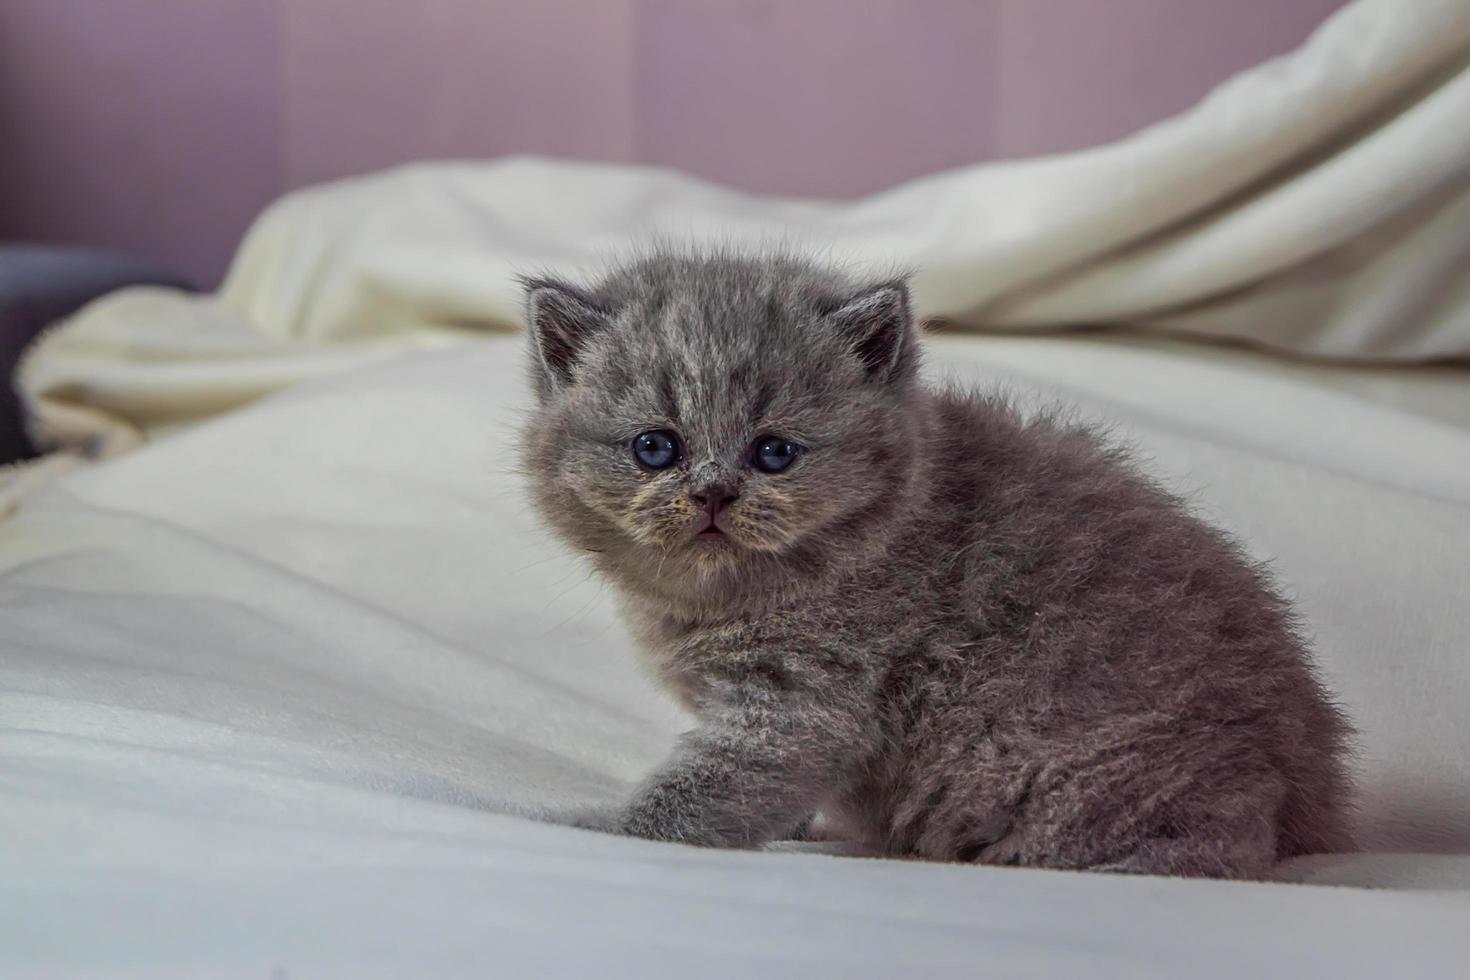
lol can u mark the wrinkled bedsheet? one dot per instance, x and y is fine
(287, 690)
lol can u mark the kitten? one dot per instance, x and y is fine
(955, 633)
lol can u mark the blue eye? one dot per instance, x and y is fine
(773, 454)
(656, 450)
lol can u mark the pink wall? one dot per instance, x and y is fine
(118, 131)
(164, 125)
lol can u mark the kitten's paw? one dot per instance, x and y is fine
(604, 820)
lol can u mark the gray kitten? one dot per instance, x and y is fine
(955, 633)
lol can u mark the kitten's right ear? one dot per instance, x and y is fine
(879, 326)
(561, 319)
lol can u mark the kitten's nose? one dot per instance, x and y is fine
(713, 499)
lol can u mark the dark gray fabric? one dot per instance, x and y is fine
(40, 284)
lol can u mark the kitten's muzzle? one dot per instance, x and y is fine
(711, 501)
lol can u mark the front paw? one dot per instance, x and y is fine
(622, 822)
(604, 820)
(657, 825)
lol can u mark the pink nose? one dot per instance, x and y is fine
(713, 499)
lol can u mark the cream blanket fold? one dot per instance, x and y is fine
(1318, 204)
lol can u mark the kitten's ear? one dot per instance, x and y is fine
(562, 319)
(879, 326)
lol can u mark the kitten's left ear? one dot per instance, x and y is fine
(879, 326)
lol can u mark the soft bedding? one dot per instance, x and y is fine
(287, 690)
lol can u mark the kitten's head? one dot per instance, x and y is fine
(712, 427)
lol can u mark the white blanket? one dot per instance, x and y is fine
(274, 689)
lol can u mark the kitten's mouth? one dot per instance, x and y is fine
(709, 531)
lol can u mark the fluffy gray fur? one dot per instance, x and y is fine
(954, 632)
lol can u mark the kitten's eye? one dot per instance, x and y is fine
(656, 450)
(773, 454)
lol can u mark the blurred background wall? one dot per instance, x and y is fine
(163, 126)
